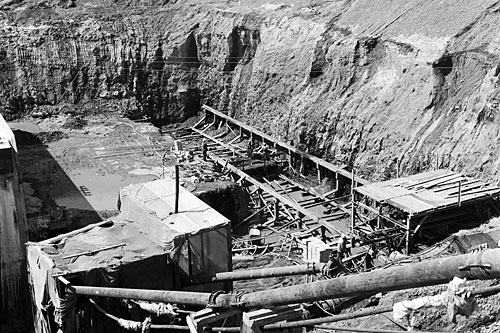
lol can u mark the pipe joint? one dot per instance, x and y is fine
(212, 299)
(223, 300)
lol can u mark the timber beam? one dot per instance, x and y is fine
(284, 146)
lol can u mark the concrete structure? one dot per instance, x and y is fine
(12, 235)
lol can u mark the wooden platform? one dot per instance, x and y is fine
(428, 192)
(433, 200)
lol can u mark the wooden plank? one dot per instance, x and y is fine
(465, 189)
(286, 146)
(411, 204)
(452, 177)
(277, 195)
(440, 174)
(455, 185)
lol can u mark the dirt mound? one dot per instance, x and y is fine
(76, 123)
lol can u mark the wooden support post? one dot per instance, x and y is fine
(176, 188)
(276, 210)
(353, 199)
(290, 159)
(318, 167)
(260, 203)
(299, 220)
(323, 234)
(408, 235)
(380, 220)
(337, 184)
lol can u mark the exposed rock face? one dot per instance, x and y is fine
(372, 83)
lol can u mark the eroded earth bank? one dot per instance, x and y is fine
(382, 85)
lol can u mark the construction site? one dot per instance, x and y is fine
(250, 166)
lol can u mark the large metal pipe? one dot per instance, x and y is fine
(167, 296)
(267, 272)
(484, 265)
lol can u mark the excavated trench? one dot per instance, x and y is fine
(387, 88)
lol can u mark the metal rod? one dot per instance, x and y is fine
(168, 296)
(176, 188)
(267, 272)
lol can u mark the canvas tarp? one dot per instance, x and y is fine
(135, 249)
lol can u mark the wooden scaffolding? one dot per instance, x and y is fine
(395, 211)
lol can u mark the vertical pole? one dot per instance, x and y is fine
(176, 188)
(353, 207)
(408, 235)
(319, 173)
(276, 210)
(380, 222)
(337, 185)
(459, 193)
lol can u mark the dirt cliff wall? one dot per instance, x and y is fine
(381, 85)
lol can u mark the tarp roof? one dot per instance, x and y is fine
(7, 139)
(159, 198)
(145, 227)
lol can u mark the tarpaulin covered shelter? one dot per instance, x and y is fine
(146, 246)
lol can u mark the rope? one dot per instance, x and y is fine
(136, 325)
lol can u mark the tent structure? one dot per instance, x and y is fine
(146, 246)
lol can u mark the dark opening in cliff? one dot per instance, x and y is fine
(186, 54)
(189, 52)
(237, 51)
(443, 65)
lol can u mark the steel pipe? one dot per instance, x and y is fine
(167, 296)
(267, 272)
(483, 266)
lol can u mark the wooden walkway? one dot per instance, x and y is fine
(282, 201)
